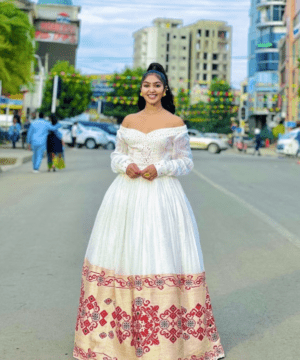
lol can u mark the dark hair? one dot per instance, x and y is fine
(53, 119)
(41, 115)
(17, 117)
(167, 101)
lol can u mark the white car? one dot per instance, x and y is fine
(204, 141)
(91, 137)
(287, 143)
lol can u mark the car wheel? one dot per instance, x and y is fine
(90, 143)
(214, 149)
(110, 146)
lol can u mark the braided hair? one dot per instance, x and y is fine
(167, 101)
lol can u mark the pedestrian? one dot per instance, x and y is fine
(26, 126)
(143, 291)
(14, 131)
(55, 147)
(74, 133)
(37, 139)
(257, 141)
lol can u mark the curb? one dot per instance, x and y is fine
(20, 161)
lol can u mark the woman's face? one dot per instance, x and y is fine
(152, 89)
(14, 120)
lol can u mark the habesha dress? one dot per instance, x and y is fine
(143, 291)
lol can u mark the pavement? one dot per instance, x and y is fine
(247, 214)
(11, 158)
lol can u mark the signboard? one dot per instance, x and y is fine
(4, 102)
(57, 32)
(100, 88)
(63, 18)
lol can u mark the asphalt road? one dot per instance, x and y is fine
(247, 209)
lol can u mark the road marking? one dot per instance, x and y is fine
(267, 219)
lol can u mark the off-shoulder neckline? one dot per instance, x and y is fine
(166, 128)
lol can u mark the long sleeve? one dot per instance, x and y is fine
(29, 134)
(119, 157)
(182, 159)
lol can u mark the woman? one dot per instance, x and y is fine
(14, 131)
(55, 147)
(143, 289)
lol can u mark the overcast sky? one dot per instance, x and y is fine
(106, 42)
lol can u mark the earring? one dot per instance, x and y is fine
(141, 94)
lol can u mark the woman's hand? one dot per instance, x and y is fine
(63, 143)
(133, 171)
(151, 170)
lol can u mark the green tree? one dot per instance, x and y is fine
(16, 48)
(123, 99)
(182, 103)
(75, 94)
(221, 107)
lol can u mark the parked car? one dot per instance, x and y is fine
(287, 144)
(91, 137)
(211, 143)
(110, 130)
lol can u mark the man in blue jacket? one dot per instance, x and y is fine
(37, 139)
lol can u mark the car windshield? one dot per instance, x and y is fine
(286, 136)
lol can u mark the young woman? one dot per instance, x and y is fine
(14, 130)
(143, 290)
(54, 147)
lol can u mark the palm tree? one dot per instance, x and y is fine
(16, 47)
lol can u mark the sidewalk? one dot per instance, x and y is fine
(270, 151)
(11, 158)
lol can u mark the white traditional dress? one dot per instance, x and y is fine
(143, 293)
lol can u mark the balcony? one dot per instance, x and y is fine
(264, 3)
(267, 23)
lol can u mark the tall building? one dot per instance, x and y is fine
(57, 30)
(289, 49)
(191, 55)
(266, 29)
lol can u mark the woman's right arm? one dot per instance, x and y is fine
(119, 157)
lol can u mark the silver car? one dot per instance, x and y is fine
(206, 141)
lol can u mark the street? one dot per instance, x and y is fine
(247, 210)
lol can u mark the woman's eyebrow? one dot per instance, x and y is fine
(156, 82)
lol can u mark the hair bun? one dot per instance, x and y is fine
(157, 67)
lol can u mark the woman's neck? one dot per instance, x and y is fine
(153, 109)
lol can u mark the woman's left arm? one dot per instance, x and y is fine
(182, 159)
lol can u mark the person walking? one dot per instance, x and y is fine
(257, 141)
(143, 286)
(14, 131)
(37, 139)
(55, 147)
(74, 133)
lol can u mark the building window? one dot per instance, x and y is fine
(199, 33)
(184, 48)
(224, 67)
(204, 66)
(215, 67)
(167, 57)
(207, 33)
(174, 37)
(198, 55)
(244, 92)
(197, 66)
(214, 76)
(168, 47)
(183, 58)
(168, 37)
(183, 37)
(205, 56)
(167, 68)
(278, 11)
(197, 76)
(215, 56)
(225, 57)
(204, 77)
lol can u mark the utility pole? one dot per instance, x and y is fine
(54, 94)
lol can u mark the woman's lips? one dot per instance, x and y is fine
(152, 96)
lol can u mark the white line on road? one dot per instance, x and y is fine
(267, 219)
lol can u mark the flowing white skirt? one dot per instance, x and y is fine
(143, 292)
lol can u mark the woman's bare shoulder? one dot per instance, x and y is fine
(128, 119)
(176, 121)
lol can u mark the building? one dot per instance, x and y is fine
(57, 31)
(191, 55)
(289, 49)
(266, 29)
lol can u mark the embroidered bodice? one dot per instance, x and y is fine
(168, 149)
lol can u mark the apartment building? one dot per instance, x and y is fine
(191, 55)
(266, 29)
